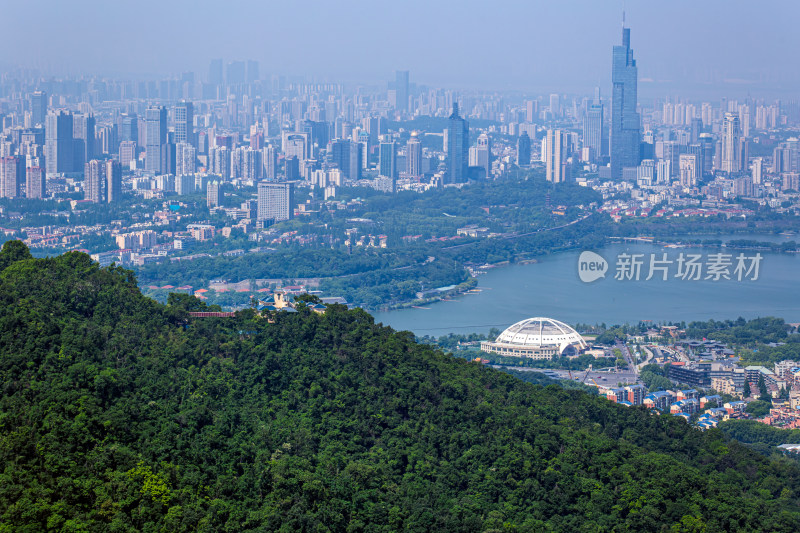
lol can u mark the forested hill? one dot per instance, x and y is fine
(120, 414)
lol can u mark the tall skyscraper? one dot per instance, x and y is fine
(387, 159)
(59, 143)
(401, 88)
(346, 155)
(235, 73)
(38, 107)
(12, 174)
(93, 181)
(113, 174)
(731, 144)
(593, 129)
(481, 154)
(35, 183)
(524, 150)
(215, 72)
(554, 156)
(252, 71)
(156, 137)
(83, 133)
(531, 110)
(269, 158)
(625, 121)
(706, 141)
(457, 147)
(129, 127)
(555, 105)
(757, 170)
(275, 201)
(168, 163)
(184, 123)
(696, 129)
(413, 157)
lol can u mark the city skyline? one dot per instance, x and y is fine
(713, 51)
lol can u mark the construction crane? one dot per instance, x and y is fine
(586, 374)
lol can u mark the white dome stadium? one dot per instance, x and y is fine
(537, 338)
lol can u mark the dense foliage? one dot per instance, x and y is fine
(120, 414)
(753, 432)
(741, 331)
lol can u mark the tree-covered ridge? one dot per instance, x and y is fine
(119, 414)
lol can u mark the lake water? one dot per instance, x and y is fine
(552, 288)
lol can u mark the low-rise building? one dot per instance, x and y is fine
(660, 400)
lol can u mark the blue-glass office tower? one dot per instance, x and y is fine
(457, 148)
(625, 123)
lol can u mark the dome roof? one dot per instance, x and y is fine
(541, 331)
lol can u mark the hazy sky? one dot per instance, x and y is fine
(555, 45)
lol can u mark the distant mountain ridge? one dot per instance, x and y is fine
(121, 414)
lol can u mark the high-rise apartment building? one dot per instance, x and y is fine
(275, 201)
(219, 161)
(757, 170)
(457, 148)
(531, 110)
(113, 175)
(35, 183)
(625, 122)
(156, 138)
(93, 181)
(185, 158)
(269, 158)
(730, 159)
(12, 174)
(214, 194)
